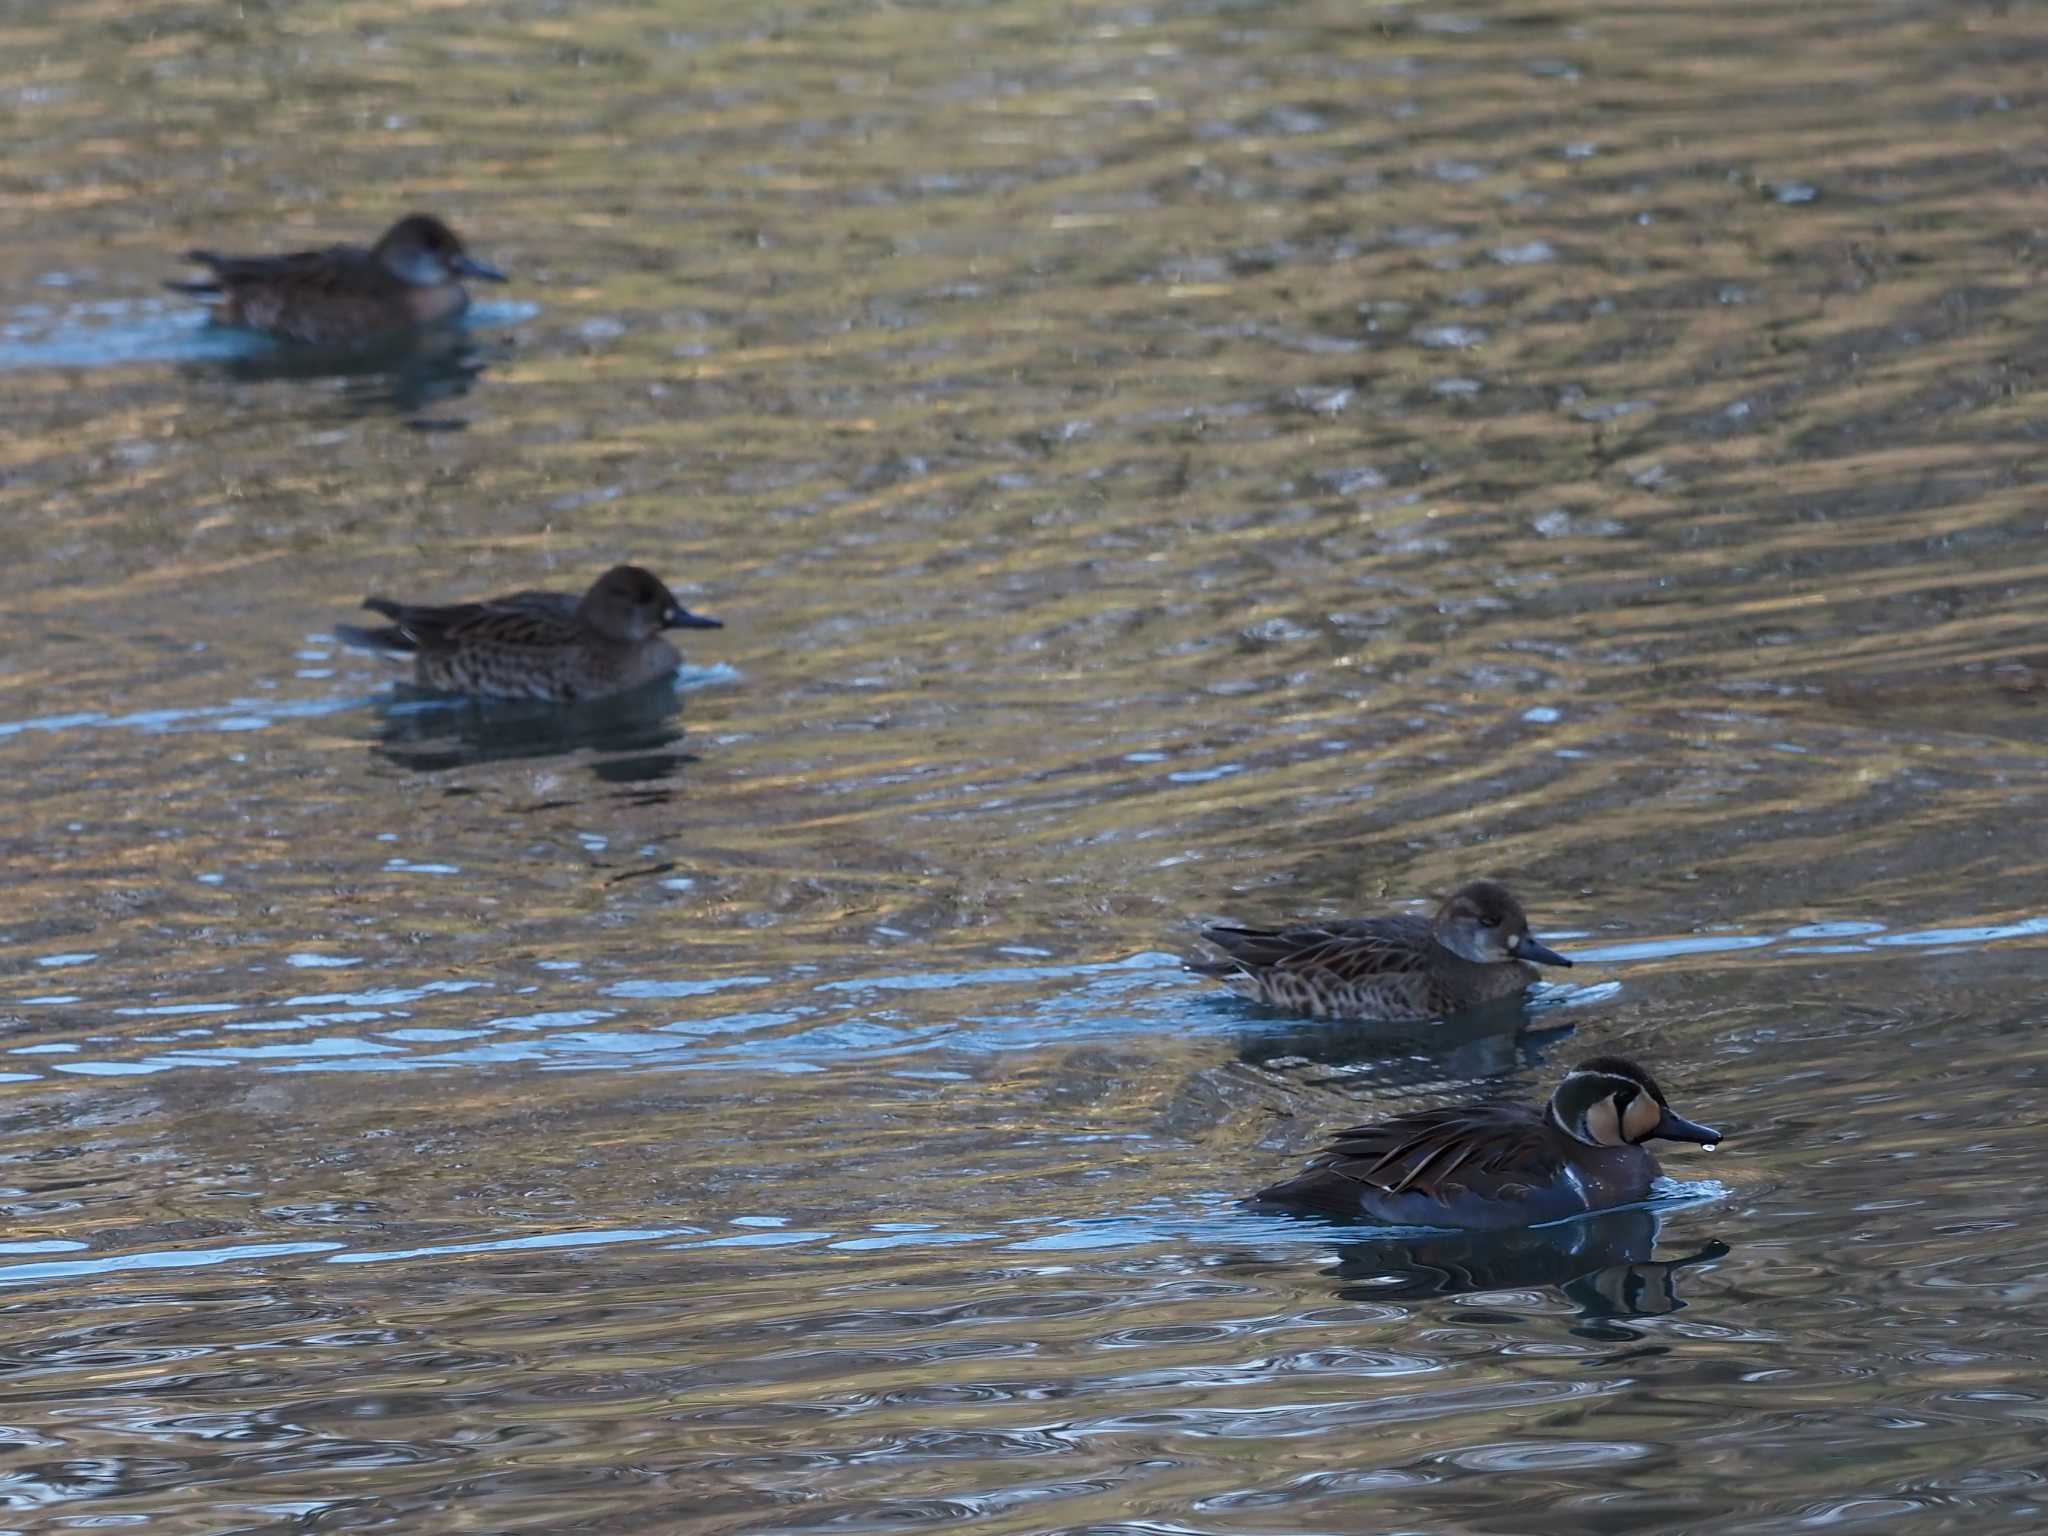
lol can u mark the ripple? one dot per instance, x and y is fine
(1154, 463)
(189, 1258)
(1549, 1455)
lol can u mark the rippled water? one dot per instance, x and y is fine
(1154, 463)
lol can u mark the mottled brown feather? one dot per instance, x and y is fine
(526, 645)
(520, 619)
(1388, 968)
(1353, 950)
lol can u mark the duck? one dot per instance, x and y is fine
(1476, 949)
(555, 647)
(345, 295)
(1489, 1166)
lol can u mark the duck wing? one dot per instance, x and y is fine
(556, 605)
(1430, 1152)
(1357, 950)
(334, 269)
(544, 621)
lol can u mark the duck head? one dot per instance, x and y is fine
(419, 249)
(1483, 923)
(629, 603)
(1609, 1101)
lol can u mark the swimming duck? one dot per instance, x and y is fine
(552, 646)
(1493, 1165)
(345, 294)
(1476, 949)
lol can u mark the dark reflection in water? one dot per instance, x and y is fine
(407, 375)
(635, 732)
(1508, 1040)
(1603, 1263)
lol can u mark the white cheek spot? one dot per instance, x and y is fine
(1514, 942)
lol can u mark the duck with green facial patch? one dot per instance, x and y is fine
(1494, 1165)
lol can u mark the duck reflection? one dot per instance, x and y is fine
(1496, 1040)
(1604, 1264)
(407, 376)
(638, 732)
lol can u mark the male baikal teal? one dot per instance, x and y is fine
(1495, 1165)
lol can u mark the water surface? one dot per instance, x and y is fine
(1155, 463)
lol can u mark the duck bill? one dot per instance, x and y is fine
(1675, 1127)
(469, 266)
(679, 617)
(1542, 954)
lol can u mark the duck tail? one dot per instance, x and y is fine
(209, 285)
(1315, 1189)
(1242, 946)
(389, 639)
(1245, 946)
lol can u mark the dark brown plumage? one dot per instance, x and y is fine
(553, 646)
(1474, 950)
(345, 294)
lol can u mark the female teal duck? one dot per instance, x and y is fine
(553, 646)
(1487, 1166)
(1475, 950)
(346, 294)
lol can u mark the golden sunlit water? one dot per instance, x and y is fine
(1155, 462)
